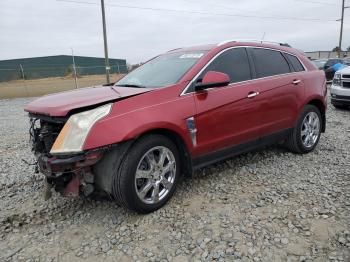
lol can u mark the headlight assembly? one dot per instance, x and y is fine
(72, 136)
(336, 80)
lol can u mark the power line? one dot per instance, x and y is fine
(226, 7)
(317, 2)
(203, 12)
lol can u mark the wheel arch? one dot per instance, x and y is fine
(320, 105)
(185, 155)
(105, 168)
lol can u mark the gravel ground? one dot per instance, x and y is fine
(270, 205)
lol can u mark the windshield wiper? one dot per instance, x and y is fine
(132, 85)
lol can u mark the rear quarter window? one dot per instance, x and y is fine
(294, 61)
(269, 62)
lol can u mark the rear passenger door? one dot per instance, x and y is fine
(280, 88)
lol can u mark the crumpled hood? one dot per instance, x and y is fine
(60, 104)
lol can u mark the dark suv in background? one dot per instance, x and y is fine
(328, 67)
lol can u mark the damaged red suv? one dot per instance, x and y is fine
(180, 111)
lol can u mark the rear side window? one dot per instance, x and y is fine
(297, 66)
(233, 62)
(269, 63)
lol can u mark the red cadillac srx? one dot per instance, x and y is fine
(180, 111)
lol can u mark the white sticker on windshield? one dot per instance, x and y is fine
(192, 55)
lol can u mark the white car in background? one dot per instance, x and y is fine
(340, 89)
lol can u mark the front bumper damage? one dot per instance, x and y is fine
(70, 175)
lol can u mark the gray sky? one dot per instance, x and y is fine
(48, 27)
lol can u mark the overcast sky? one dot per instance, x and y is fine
(31, 28)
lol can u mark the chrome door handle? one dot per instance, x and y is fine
(252, 94)
(296, 81)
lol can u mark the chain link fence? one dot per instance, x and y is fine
(57, 66)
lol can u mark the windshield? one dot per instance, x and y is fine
(162, 71)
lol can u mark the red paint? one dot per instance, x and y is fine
(72, 189)
(215, 77)
(224, 116)
(61, 103)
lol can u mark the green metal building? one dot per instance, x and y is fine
(55, 66)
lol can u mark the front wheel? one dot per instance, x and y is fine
(148, 175)
(306, 134)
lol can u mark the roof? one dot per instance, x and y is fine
(235, 42)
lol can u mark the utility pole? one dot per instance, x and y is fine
(22, 71)
(105, 40)
(118, 67)
(341, 27)
(74, 70)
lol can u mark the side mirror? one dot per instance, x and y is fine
(213, 79)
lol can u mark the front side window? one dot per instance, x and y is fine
(269, 62)
(233, 62)
(162, 71)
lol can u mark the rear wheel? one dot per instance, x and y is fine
(306, 134)
(148, 175)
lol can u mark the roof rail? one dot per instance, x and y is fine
(174, 49)
(253, 41)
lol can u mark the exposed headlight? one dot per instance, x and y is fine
(336, 80)
(72, 136)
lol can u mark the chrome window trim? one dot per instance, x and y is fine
(232, 47)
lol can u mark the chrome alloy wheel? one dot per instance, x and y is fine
(310, 129)
(155, 174)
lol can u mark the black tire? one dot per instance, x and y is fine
(124, 188)
(294, 141)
